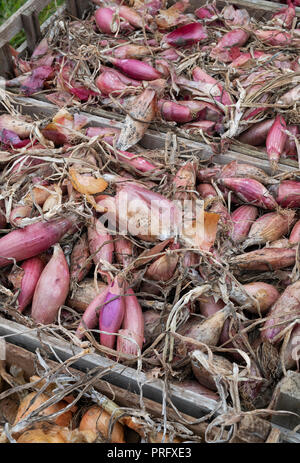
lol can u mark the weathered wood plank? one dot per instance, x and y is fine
(44, 27)
(287, 435)
(274, 436)
(32, 29)
(82, 6)
(71, 7)
(154, 139)
(6, 62)
(14, 24)
(287, 397)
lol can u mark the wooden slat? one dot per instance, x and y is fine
(82, 6)
(32, 29)
(71, 7)
(44, 27)
(242, 152)
(274, 436)
(287, 435)
(154, 139)
(287, 397)
(6, 63)
(14, 24)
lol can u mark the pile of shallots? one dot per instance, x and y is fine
(188, 265)
(93, 243)
(220, 75)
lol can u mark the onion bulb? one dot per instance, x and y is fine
(26, 407)
(97, 421)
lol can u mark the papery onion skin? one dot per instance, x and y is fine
(265, 295)
(207, 331)
(163, 268)
(97, 236)
(291, 350)
(233, 38)
(219, 208)
(201, 76)
(235, 169)
(290, 148)
(270, 227)
(290, 97)
(25, 409)
(295, 234)
(79, 266)
(124, 251)
(204, 377)
(186, 176)
(284, 17)
(153, 325)
(97, 420)
(276, 140)
(266, 259)
(19, 125)
(84, 293)
(287, 308)
(274, 37)
(206, 190)
(132, 16)
(18, 213)
(208, 306)
(209, 173)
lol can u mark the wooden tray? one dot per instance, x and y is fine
(121, 376)
(26, 18)
(125, 378)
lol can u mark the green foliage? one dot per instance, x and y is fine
(8, 7)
